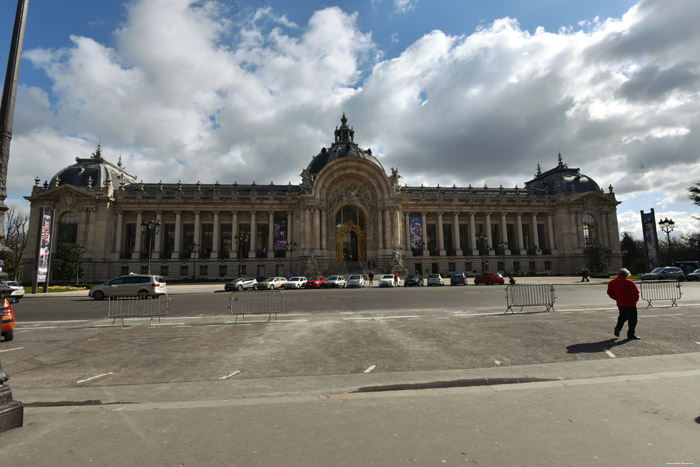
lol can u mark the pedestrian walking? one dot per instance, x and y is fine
(371, 278)
(396, 279)
(626, 295)
(584, 275)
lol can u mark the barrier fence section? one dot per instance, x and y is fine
(660, 290)
(257, 302)
(133, 306)
(530, 295)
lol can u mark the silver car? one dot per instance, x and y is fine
(17, 290)
(242, 283)
(297, 282)
(435, 279)
(664, 273)
(356, 281)
(272, 283)
(387, 280)
(136, 285)
(335, 282)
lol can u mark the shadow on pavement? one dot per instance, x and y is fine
(593, 347)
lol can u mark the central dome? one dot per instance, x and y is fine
(344, 146)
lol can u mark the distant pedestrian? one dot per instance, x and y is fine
(511, 279)
(371, 278)
(626, 295)
(584, 275)
(396, 279)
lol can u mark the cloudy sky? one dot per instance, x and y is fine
(448, 91)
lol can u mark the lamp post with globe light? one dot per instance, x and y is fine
(667, 226)
(150, 229)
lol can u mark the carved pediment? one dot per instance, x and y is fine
(349, 194)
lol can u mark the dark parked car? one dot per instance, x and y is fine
(489, 278)
(413, 280)
(693, 276)
(664, 273)
(458, 278)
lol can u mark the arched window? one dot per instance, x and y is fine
(67, 229)
(350, 214)
(589, 230)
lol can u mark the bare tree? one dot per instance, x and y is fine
(16, 225)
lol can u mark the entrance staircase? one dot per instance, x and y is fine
(345, 268)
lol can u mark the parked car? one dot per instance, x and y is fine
(356, 280)
(141, 285)
(664, 273)
(296, 282)
(693, 276)
(387, 280)
(413, 280)
(242, 283)
(335, 282)
(316, 282)
(458, 278)
(435, 279)
(272, 283)
(489, 278)
(7, 328)
(17, 290)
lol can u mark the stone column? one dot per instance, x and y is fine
(574, 230)
(158, 243)
(380, 229)
(550, 228)
(504, 232)
(455, 234)
(579, 230)
(215, 237)
(139, 235)
(472, 231)
(197, 230)
(604, 229)
(397, 228)
(489, 238)
(441, 236)
(271, 235)
(424, 233)
(536, 234)
(234, 232)
(387, 229)
(521, 240)
(178, 235)
(253, 234)
(290, 217)
(118, 237)
(317, 229)
(324, 230)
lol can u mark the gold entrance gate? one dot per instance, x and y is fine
(350, 235)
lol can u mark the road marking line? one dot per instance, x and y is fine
(10, 350)
(357, 319)
(698, 343)
(609, 353)
(95, 377)
(399, 317)
(370, 368)
(22, 328)
(53, 322)
(237, 372)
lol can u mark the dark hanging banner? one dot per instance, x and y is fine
(651, 241)
(44, 247)
(280, 233)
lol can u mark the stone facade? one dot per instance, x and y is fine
(347, 215)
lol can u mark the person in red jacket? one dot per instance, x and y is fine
(626, 294)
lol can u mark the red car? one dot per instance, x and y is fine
(8, 321)
(316, 282)
(489, 278)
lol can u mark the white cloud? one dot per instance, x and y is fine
(404, 6)
(185, 93)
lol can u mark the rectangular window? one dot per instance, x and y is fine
(125, 270)
(129, 239)
(447, 238)
(261, 270)
(468, 266)
(495, 235)
(547, 265)
(527, 245)
(464, 242)
(223, 270)
(187, 238)
(168, 240)
(451, 267)
(243, 240)
(144, 269)
(204, 270)
(184, 270)
(225, 242)
(243, 270)
(542, 238)
(516, 266)
(532, 266)
(435, 268)
(207, 240)
(164, 271)
(501, 266)
(510, 231)
(280, 270)
(432, 239)
(261, 240)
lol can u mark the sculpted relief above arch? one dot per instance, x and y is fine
(349, 194)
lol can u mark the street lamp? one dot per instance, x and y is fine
(195, 253)
(667, 226)
(291, 247)
(150, 229)
(240, 239)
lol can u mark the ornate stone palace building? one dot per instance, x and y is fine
(347, 215)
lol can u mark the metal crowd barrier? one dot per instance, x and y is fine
(530, 295)
(257, 302)
(133, 306)
(660, 290)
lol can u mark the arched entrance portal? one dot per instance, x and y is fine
(350, 234)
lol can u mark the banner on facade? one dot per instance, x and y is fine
(416, 223)
(44, 251)
(280, 233)
(651, 241)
